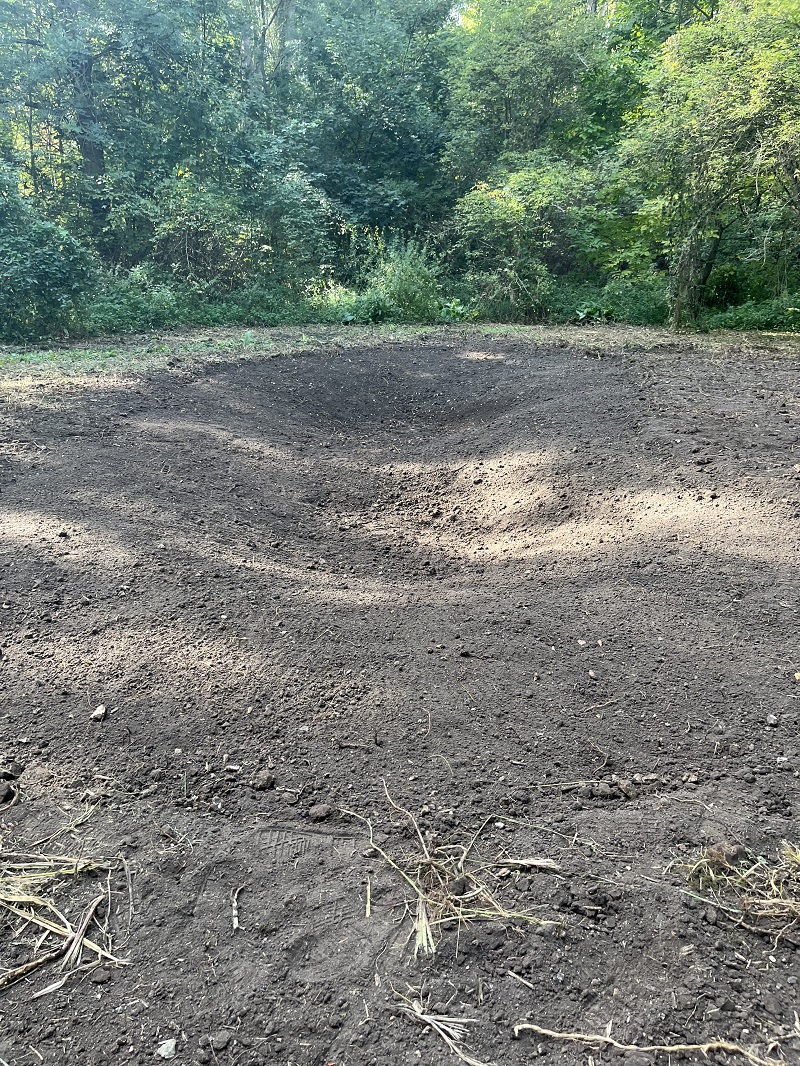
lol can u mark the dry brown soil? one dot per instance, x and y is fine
(542, 588)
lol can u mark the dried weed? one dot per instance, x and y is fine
(758, 893)
(27, 885)
(453, 1031)
(452, 886)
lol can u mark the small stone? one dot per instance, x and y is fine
(219, 1040)
(99, 713)
(289, 798)
(320, 811)
(772, 720)
(602, 790)
(167, 1049)
(100, 976)
(264, 781)
(772, 1004)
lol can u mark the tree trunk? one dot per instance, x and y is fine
(92, 154)
(710, 258)
(690, 276)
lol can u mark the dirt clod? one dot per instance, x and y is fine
(320, 812)
(219, 1041)
(264, 781)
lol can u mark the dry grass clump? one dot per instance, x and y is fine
(27, 886)
(759, 893)
(452, 886)
(453, 1031)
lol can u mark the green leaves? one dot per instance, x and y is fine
(246, 153)
(44, 272)
(521, 79)
(715, 141)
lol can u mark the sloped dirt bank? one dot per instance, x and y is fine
(509, 585)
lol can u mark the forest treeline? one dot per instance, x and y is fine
(285, 161)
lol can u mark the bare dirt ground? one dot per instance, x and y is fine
(538, 589)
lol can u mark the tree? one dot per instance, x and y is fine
(715, 143)
(515, 76)
(44, 272)
(371, 90)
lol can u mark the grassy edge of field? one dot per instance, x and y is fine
(133, 354)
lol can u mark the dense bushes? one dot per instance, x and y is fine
(637, 301)
(399, 284)
(402, 160)
(403, 285)
(274, 231)
(47, 279)
(141, 300)
(45, 274)
(782, 315)
(146, 299)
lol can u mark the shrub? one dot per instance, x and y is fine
(635, 301)
(575, 301)
(148, 299)
(454, 310)
(141, 300)
(276, 235)
(44, 272)
(639, 301)
(403, 286)
(370, 307)
(505, 295)
(261, 306)
(779, 314)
